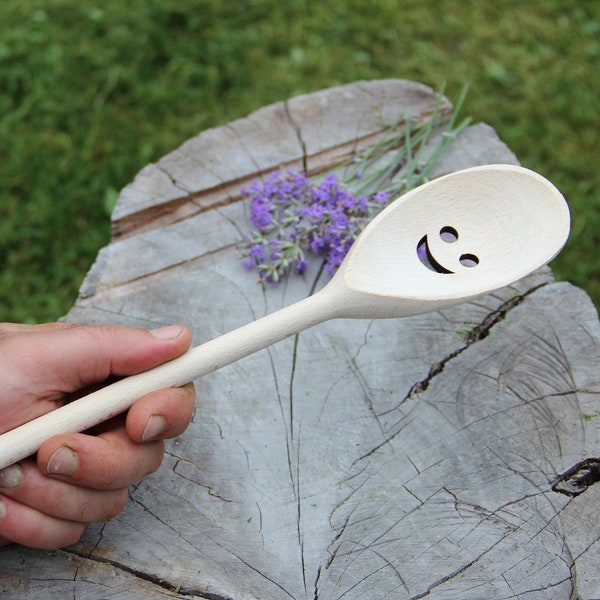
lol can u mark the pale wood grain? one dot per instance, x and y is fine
(382, 459)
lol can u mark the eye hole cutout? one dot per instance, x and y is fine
(469, 260)
(448, 234)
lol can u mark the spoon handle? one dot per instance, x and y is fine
(116, 398)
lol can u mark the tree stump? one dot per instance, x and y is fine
(444, 456)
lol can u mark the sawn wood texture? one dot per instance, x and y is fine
(397, 459)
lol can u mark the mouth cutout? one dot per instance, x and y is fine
(427, 258)
(449, 235)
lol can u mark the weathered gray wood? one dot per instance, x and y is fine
(316, 131)
(412, 458)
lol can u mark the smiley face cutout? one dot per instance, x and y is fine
(441, 252)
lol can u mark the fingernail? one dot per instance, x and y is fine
(154, 427)
(63, 462)
(11, 477)
(167, 333)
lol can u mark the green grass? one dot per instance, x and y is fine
(91, 92)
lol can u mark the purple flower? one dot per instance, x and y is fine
(301, 266)
(276, 251)
(314, 212)
(318, 244)
(292, 215)
(381, 197)
(260, 213)
(257, 253)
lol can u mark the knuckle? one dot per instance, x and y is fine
(119, 502)
(72, 535)
(112, 472)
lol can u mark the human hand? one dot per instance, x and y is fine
(81, 478)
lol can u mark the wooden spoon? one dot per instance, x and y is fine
(454, 238)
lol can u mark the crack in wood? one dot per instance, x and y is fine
(170, 212)
(210, 490)
(298, 131)
(174, 181)
(296, 484)
(476, 334)
(150, 578)
(578, 478)
(193, 203)
(458, 571)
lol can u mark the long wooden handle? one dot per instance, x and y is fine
(116, 398)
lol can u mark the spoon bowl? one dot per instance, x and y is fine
(454, 238)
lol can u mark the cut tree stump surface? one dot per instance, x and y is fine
(444, 456)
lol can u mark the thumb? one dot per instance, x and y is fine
(65, 358)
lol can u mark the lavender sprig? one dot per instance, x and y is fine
(293, 215)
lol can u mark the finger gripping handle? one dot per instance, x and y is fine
(116, 398)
